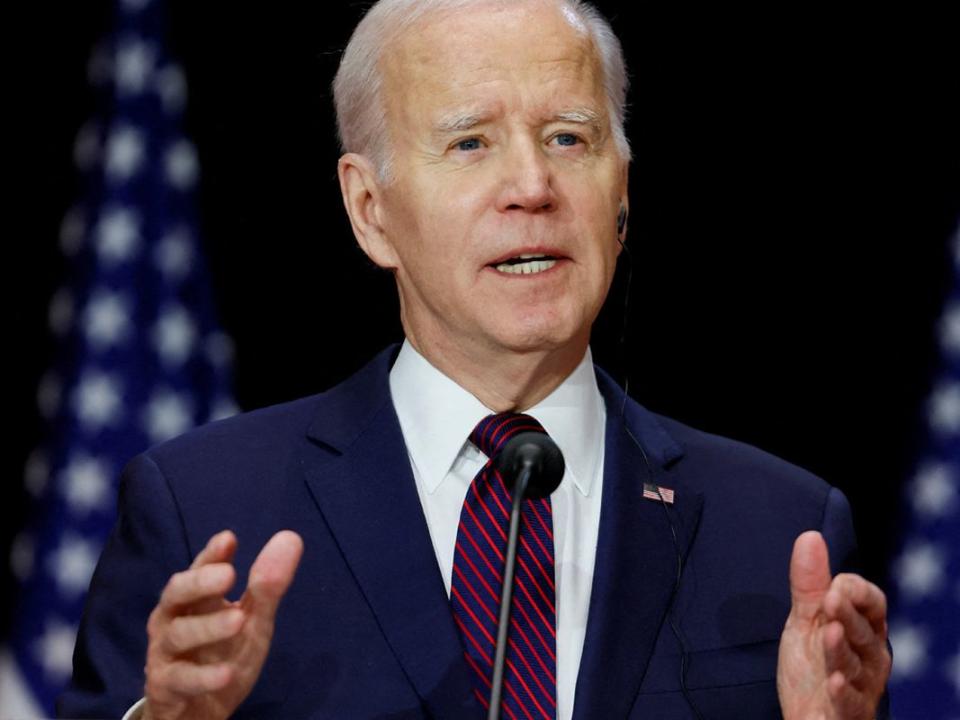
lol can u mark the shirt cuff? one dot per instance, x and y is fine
(136, 711)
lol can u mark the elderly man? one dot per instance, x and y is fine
(486, 168)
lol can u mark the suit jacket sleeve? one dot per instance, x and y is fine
(146, 546)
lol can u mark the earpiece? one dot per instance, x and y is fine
(621, 220)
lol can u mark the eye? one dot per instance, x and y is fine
(468, 144)
(566, 139)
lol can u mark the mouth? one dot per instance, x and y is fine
(525, 264)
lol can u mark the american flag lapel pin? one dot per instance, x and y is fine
(658, 493)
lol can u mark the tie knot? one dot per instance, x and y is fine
(493, 432)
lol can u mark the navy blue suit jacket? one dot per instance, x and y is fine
(365, 630)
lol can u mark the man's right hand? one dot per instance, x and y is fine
(205, 653)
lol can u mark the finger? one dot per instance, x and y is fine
(186, 678)
(858, 630)
(809, 574)
(219, 548)
(839, 656)
(847, 700)
(272, 572)
(869, 600)
(189, 632)
(195, 585)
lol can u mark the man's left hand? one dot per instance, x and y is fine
(833, 662)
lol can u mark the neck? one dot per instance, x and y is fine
(504, 381)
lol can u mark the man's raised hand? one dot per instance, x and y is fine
(833, 662)
(205, 653)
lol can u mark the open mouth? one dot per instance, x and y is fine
(526, 264)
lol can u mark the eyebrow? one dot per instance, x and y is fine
(463, 121)
(458, 122)
(581, 116)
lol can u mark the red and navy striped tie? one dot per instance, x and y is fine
(530, 675)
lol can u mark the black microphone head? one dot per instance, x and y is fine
(544, 456)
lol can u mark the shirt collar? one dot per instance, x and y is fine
(573, 415)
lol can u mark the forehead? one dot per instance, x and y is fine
(487, 56)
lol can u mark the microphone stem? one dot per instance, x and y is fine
(506, 594)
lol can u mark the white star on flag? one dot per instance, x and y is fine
(118, 236)
(72, 230)
(909, 648)
(106, 319)
(60, 314)
(49, 394)
(96, 400)
(86, 147)
(953, 672)
(174, 254)
(945, 408)
(36, 472)
(72, 564)
(219, 349)
(181, 165)
(125, 153)
(86, 483)
(167, 414)
(133, 66)
(174, 335)
(950, 329)
(172, 88)
(934, 490)
(22, 554)
(54, 649)
(920, 570)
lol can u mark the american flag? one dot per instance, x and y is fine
(925, 610)
(658, 493)
(139, 355)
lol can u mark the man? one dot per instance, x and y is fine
(486, 167)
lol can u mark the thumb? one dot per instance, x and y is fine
(809, 574)
(273, 571)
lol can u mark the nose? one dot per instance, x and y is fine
(526, 180)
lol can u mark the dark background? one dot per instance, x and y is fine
(796, 179)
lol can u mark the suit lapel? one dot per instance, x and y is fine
(359, 474)
(636, 563)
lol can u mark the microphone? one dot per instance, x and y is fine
(538, 452)
(532, 467)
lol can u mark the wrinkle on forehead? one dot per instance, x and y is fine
(425, 66)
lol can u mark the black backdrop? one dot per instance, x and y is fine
(796, 179)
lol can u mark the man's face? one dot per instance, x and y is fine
(502, 148)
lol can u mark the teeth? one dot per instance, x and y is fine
(527, 268)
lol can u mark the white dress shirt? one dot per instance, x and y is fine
(436, 417)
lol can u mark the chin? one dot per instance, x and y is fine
(541, 337)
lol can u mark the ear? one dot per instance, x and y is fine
(624, 207)
(363, 200)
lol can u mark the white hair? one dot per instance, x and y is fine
(357, 87)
